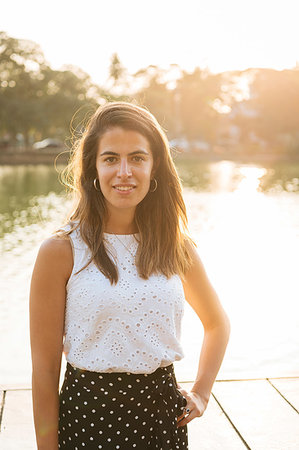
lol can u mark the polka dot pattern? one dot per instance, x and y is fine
(121, 410)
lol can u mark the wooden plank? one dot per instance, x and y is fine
(17, 430)
(2, 395)
(260, 414)
(212, 431)
(15, 387)
(264, 419)
(289, 388)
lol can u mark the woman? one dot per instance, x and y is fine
(108, 290)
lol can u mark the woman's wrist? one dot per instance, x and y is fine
(196, 389)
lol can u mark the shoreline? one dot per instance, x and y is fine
(33, 158)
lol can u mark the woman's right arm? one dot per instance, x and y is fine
(51, 272)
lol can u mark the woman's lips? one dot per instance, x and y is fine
(124, 189)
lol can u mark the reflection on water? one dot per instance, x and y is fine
(28, 192)
(26, 195)
(281, 177)
(251, 179)
(226, 175)
(245, 220)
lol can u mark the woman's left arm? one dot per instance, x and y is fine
(202, 297)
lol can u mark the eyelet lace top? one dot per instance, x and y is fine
(133, 326)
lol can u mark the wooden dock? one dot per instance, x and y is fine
(257, 414)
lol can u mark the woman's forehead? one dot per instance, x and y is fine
(118, 140)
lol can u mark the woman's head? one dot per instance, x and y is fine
(125, 169)
(128, 117)
(160, 212)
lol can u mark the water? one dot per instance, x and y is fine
(245, 220)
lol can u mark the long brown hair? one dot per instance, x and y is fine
(160, 217)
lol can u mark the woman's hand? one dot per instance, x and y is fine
(196, 404)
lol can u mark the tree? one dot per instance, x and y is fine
(20, 65)
(36, 100)
(118, 77)
(154, 94)
(275, 97)
(196, 92)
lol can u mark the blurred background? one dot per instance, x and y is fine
(222, 78)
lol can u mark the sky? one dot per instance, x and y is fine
(218, 35)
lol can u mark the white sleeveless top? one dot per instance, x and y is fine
(133, 326)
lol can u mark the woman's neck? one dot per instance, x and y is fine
(120, 224)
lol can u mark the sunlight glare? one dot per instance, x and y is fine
(247, 246)
(251, 179)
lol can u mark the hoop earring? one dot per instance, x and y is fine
(156, 185)
(95, 184)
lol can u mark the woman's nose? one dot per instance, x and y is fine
(124, 169)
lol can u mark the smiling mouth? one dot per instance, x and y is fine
(124, 188)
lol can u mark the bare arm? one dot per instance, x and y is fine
(47, 306)
(203, 299)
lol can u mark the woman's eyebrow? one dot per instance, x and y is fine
(136, 152)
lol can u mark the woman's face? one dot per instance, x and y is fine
(124, 166)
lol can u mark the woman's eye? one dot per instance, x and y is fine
(110, 159)
(138, 158)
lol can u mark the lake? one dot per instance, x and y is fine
(245, 221)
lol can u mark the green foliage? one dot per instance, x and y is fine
(39, 102)
(155, 95)
(197, 91)
(116, 70)
(186, 109)
(36, 100)
(275, 97)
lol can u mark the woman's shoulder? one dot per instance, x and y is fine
(190, 247)
(56, 245)
(55, 254)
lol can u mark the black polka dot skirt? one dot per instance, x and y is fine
(121, 410)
